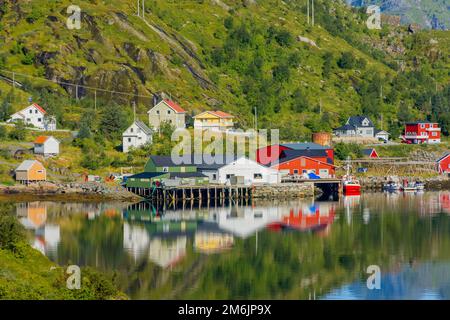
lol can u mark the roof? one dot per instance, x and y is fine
(420, 122)
(143, 127)
(346, 127)
(443, 157)
(217, 113)
(151, 175)
(304, 146)
(288, 155)
(222, 160)
(175, 107)
(41, 139)
(222, 114)
(357, 121)
(39, 108)
(382, 131)
(368, 152)
(26, 165)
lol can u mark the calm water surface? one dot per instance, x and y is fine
(301, 249)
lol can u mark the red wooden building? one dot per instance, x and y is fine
(301, 162)
(443, 164)
(422, 132)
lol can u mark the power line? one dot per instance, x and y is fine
(14, 74)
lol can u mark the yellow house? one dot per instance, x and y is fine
(216, 120)
(30, 171)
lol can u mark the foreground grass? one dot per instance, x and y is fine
(26, 274)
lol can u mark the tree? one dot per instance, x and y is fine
(113, 121)
(300, 102)
(3, 132)
(346, 61)
(327, 64)
(5, 110)
(19, 132)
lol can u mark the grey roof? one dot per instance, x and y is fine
(143, 127)
(378, 131)
(357, 121)
(26, 165)
(346, 127)
(288, 155)
(220, 161)
(305, 146)
(367, 152)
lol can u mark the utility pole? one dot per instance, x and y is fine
(138, 8)
(256, 119)
(312, 9)
(307, 10)
(134, 111)
(143, 9)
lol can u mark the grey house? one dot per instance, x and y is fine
(360, 126)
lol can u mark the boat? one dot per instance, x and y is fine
(391, 186)
(420, 186)
(410, 187)
(351, 186)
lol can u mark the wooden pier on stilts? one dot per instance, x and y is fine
(201, 193)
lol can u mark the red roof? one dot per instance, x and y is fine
(41, 139)
(175, 107)
(222, 114)
(39, 108)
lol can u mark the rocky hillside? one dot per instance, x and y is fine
(235, 55)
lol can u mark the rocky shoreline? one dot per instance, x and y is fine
(89, 191)
(431, 184)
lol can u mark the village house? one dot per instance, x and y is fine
(301, 162)
(30, 171)
(46, 146)
(249, 172)
(36, 116)
(136, 136)
(167, 111)
(214, 120)
(443, 164)
(370, 153)
(422, 132)
(360, 126)
(382, 135)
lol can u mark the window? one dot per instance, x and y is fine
(131, 130)
(157, 111)
(296, 171)
(228, 176)
(40, 171)
(129, 140)
(368, 131)
(214, 176)
(168, 111)
(39, 120)
(434, 134)
(35, 111)
(165, 169)
(257, 176)
(422, 126)
(31, 111)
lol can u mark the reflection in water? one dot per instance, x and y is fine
(295, 249)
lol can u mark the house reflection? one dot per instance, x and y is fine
(33, 216)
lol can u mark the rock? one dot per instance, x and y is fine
(307, 40)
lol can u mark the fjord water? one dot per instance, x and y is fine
(303, 249)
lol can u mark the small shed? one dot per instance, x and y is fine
(370, 153)
(46, 145)
(30, 171)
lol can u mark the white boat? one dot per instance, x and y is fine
(391, 186)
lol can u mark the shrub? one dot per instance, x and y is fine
(11, 231)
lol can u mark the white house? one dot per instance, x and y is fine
(46, 145)
(357, 126)
(35, 115)
(137, 135)
(251, 172)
